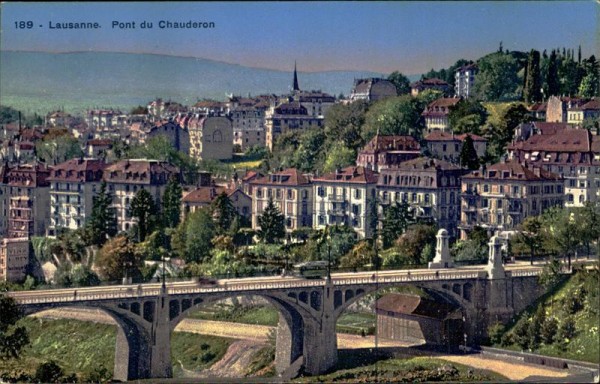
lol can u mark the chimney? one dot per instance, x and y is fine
(537, 171)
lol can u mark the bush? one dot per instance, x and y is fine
(549, 329)
(495, 333)
(49, 372)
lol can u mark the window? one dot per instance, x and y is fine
(321, 191)
(290, 194)
(357, 193)
(486, 188)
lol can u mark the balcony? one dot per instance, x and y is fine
(337, 212)
(469, 209)
(337, 198)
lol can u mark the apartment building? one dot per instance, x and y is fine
(210, 138)
(292, 193)
(447, 146)
(125, 178)
(464, 80)
(502, 196)
(343, 198)
(437, 113)
(288, 117)
(372, 89)
(73, 185)
(430, 187)
(14, 259)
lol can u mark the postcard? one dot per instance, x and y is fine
(299, 191)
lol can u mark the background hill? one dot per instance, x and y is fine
(39, 82)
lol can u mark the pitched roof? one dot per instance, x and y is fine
(78, 170)
(352, 174)
(140, 171)
(512, 170)
(591, 105)
(563, 140)
(415, 305)
(547, 128)
(205, 194)
(392, 142)
(446, 136)
(289, 177)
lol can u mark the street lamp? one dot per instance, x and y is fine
(126, 264)
(164, 271)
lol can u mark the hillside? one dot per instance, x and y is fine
(39, 82)
(563, 323)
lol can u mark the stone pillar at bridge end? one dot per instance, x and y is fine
(161, 340)
(442, 252)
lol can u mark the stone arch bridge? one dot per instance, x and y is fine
(147, 314)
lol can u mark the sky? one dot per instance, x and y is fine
(411, 37)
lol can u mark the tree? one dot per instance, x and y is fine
(394, 116)
(271, 223)
(468, 155)
(412, 242)
(530, 235)
(532, 92)
(497, 78)
(310, 150)
(58, 149)
(139, 110)
(396, 218)
(339, 157)
(12, 337)
(560, 231)
(117, 258)
(400, 81)
(589, 86)
(144, 209)
(171, 203)
(223, 213)
(467, 116)
(552, 81)
(103, 221)
(192, 237)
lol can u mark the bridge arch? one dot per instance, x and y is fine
(133, 338)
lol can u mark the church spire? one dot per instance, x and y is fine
(296, 86)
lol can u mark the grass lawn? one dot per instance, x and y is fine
(84, 347)
(416, 369)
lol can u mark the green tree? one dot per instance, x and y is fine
(339, 157)
(394, 116)
(552, 81)
(530, 235)
(589, 86)
(12, 337)
(561, 231)
(49, 372)
(396, 219)
(310, 150)
(58, 149)
(412, 242)
(144, 210)
(223, 212)
(117, 259)
(103, 221)
(497, 78)
(400, 81)
(171, 203)
(467, 116)
(271, 223)
(192, 238)
(139, 110)
(468, 155)
(532, 92)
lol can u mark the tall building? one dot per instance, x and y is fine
(126, 177)
(289, 117)
(14, 259)
(464, 80)
(73, 185)
(291, 192)
(502, 196)
(211, 138)
(28, 200)
(343, 197)
(574, 154)
(430, 187)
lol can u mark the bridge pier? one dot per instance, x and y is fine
(132, 351)
(161, 340)
(320, 339)
(289, 343)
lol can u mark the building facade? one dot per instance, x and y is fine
(125, 178)
(430, 187)
(211, 138)
(28, 200)
(425, 84)
(372, 89)
(288, 117)
(14, 259)
(573, 154)
(501, 197)
(385, 151)
(437, 112)
(291, 192)
(447, 146)
(73, 185)
(344, 197)
(464, 80)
